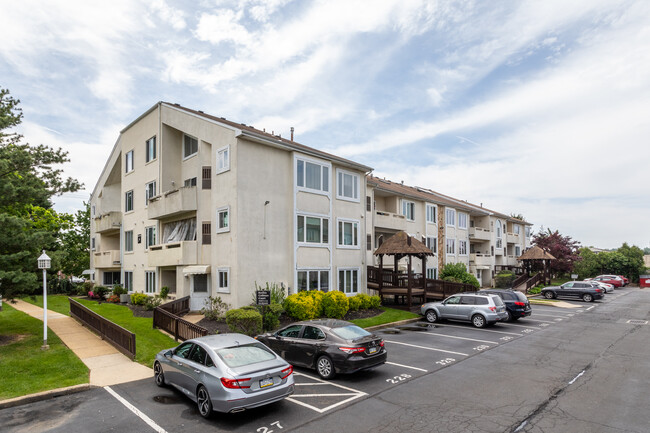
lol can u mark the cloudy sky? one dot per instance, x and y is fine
(538, 108)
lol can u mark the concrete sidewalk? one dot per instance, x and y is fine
(107, 365)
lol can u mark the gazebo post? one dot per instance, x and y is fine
(410, 282)
(381, 274)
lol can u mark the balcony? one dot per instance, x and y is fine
(476, 259)
(479, 234)
(172, 254)
(106, 259)
(512, 238)
(108, 222)
(172, 203)
(389, 220)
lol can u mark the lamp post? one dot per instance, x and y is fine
(44, 263)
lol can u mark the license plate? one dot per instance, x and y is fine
(372, 350)
(266, 382)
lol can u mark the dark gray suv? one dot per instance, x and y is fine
(480, 310)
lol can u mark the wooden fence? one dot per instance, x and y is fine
(123, 340)
(177, 307)
(433, 289)
(164, 318)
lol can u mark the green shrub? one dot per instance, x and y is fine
(375, 301)
(277, 292)
(244, 321)
(354, 303)
(317, 297)
(164, 292)
(535, 290)
(335, 304)
(300, 307)
(100, 292)
(87, 286)
(504, 279)
(138, 298)
(151, 302)
(271, 316)
(364, 301)
(119, 290)
(215, 308)
(457, 272)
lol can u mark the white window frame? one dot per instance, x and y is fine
(226, 228)
(340, 223)
(348, 275)
(450, 217)
(325, 180)
(450, 243)
(219, 281)
(149, 192)
(150, 281)
(126, 201)
(223, 159)
(517, 250)
(462, 218)
(197, 147)
(462, 245)
(432, 211)
(128, 162)
(126, 239)
(528, 230)
(151, 151)
(432, 244)
(324, 223)
(517, 229)
(320, 272)
(147, 230)
(92, 244)
(128, 280)
(406, 206)
(435, 273)
(340, 185)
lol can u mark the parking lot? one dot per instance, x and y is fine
(414, 350)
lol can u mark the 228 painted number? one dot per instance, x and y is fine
(446, 361)
(505, 338)
(398, 379)
(268, 430)
(481, 347)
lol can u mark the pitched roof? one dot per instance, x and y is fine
(402, 243)
(536, 253)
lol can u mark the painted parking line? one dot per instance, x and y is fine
(407, 366)
(522, 326)
(593, 306)
(527, 319)
(458, 338)
(136, 411)
(426, 348)
(554, 315)
(479, 329)
(299, 399)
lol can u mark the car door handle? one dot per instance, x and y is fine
(197, 371)
(179, 364)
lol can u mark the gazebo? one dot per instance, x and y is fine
(401, 245)
(537, 255)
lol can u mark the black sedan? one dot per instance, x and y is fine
(328, 346)
(574, 289)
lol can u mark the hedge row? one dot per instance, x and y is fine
(312, 304)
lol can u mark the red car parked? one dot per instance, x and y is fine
(610, 279)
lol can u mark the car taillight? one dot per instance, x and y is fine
(234, 383)
(598, 290)
(520, 304)
(493, 308)
(287, 372)
(381, 343)
(350, 350)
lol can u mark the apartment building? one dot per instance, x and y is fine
(209, 207)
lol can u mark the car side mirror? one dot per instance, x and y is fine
(168, 354)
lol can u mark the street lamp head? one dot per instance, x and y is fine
(44, 261)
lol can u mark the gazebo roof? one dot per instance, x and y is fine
(536, 253)
(403, 244)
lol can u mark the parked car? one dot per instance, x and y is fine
(626, 281)
(608, 288)
(517, 305)
(479, 309)
(77, 279)
(225, 373)
(574, 289)
(328, 346)
(614, 280)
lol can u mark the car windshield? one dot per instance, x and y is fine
(247, 354)
(351, 332)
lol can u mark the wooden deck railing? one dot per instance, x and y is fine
(122, 339)
(177, 307)
(165, 318)
(532, 282)
(434, 289)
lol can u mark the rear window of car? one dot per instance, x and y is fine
(247, 354)
(351, 332)
(520, 296)
(497, 301)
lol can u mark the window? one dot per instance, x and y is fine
(369, 242)
(128, 280)
(190, 146)
(313, 230)
(189, 182)
(517, 250)
(111, 278)
(349, 280)
(368, 203)
(462, 220)
(151, 149)
(408, 210)
(150, 236)
(223, 219)
(527, 231)
(149, 191)
(450, 217)
(432, 273)
(200, 282)
(499, 229)
(431, 214)
(150, 281)
(128, 240)
(92, 211)
(223, 280)
(312, 176)
(206, 178)
(128, 163)
(313, 280)
(462, 248)
(128, 201)
(451, 246)
(347, 186)
(499, 243)
(517, 229)
(206, 233)
(432, 243)
(348, 233)
(223, 159)
(92, 244)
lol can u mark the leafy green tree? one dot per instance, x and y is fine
(457, 272)
(74, 248)
(626, 260)
(28, 181)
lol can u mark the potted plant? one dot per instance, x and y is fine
(122, 293)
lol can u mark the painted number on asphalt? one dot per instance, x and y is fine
(446, 361)
(398, 379)
(481, 347)
(267, 429)
(527, 331)
(543, 325)
(505, 338)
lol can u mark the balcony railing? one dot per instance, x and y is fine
(479, 233)
(106, 259)
(108, 222)
(172, 203)
(478, 259)
(172, 254)
(390, 220)
(512, 238)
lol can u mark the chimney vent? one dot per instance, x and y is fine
(292, 133)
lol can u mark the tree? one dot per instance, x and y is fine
(75, 251)
(28, 181)
(625, 260)
(457, 272)
(563, 248)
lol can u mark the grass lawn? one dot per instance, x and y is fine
(388, 316)
(148, 341)
(58, 303)
(24, 367)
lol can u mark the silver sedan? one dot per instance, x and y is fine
(225, 373)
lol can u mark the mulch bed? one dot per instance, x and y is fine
(220, 327)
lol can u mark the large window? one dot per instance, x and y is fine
(347, 186)
(348, 233)
(223, 219)
(450, 217)
(128, 240)
(128, 280)
(150, 236)
(527, 231)
(313, 230)
(408, 210)
(432, 243)
(223, 159)
(349, 280)
(200, 283)
(149, 191)
(462, 247)
(517, 250)
(431, 214)
(223, 280)
(312, 175)
(128, 161)
(451, 246)
(432, 273)
(150, 281)
(462, 220)
(190, 146)
(313, 279)
(128, 201)
(517, 229)
(111, 278)
(151, 149)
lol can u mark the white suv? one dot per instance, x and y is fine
(480, 310)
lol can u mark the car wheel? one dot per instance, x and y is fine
(203, 402)
(325, 368)
(478, 321)
(158, 375)
(509, 317)
(587, 297)
(549, 295)
(431, 316)
(514, 319)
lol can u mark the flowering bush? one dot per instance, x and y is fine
(93, 295)
(114, 299)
